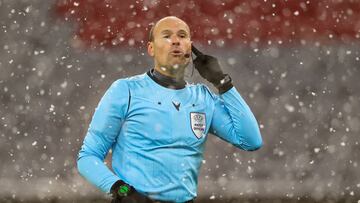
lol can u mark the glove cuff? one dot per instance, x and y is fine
(224, 84)
(121, 189)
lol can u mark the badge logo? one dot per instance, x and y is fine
(198, 123)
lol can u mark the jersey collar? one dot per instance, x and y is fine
(166, 81)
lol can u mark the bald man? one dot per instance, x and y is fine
(156, 123)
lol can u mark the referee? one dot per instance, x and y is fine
(156, 124)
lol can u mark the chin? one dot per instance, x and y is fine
(179, 63)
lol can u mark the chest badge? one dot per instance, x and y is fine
(198, 123)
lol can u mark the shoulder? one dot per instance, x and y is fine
(203, 89)
(119, 85)
(138, 83)
(128, 81)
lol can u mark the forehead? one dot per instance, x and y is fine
(172, 24)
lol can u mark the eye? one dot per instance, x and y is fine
(166, 36)
(182, 35)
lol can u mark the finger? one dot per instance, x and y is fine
(196, 51)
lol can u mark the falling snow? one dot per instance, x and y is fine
(301, 82)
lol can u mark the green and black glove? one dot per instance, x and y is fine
(125, 193)
(210, 69)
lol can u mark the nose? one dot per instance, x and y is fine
(175, 40)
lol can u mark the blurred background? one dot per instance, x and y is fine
(295, 62)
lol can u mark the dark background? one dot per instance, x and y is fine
(295, 62)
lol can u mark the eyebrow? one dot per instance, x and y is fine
(169, 31)
(183, 32)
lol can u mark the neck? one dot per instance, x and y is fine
(166, 81)
(176, 73)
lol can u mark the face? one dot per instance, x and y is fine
(171, 43)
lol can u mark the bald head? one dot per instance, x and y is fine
(170, 44)
(171, 19)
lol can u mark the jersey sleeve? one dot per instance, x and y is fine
(234, 122)
(102, 134)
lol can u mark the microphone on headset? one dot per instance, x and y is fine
(187, 55)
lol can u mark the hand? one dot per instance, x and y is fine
(124, 193)
(210, 69)
(133, 198)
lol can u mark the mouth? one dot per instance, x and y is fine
(177, 53)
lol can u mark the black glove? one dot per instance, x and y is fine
(125, 193)
(209, 68)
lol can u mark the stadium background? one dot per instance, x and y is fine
(295, 62)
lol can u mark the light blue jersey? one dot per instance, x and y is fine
(157, 135)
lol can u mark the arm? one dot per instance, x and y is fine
(234, 122)
(102, 134)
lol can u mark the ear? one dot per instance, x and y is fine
(150, 49)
